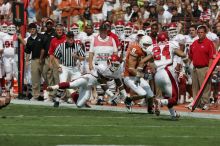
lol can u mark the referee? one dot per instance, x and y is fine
(66, 55)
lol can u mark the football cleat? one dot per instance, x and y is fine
(157, 103)
(113, 103)
(175, 118)
(56, 104)
(128, 104)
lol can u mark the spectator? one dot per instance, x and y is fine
(96, 10)
(144, 13)
(176, 16)
(128, 14)
(206, 13)
(201, 53)
(6, 10)
(34, 46)
(153, 13)
(196, 12)
(107, 8)
(31, 12)
(136, 15)
(164, 17)
(66, 7)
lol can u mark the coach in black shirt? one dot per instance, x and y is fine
(34, 47)
(47, 37)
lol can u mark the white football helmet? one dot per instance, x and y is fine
(119, 27)
(4, 28)
(114, 62)
(96, 27)
(172, 30)
(75, 29)
(11, 29)
(128, 30)
(145, 42)
(148, 30)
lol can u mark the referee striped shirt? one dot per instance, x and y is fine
(64, 53)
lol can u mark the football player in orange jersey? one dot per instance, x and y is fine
(134, 54)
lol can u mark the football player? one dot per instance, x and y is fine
(134, 55)
(100, 76)
(165, 77)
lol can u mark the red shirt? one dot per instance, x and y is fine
(55, 42)
(115, 37)
(201, 52)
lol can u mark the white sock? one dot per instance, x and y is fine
(172, 112)
(164, 101)
(55, 87)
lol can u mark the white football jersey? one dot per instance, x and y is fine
(163, 53)
(106, 72)
(188, 42)
(86, 40)
(212, 36)
(180, 38)
(125, 42)
(9, 49)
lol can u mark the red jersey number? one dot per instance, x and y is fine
(8, 44)
(87, 46)
(157, 52)
(124, 45)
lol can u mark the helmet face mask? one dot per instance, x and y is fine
(114, 62)
(145, 42)
(75, 29)
(172, 30)
(128, 31)
(119, 29)
(4, 28)
(11, 29)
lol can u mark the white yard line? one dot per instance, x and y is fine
(121, 109)
(117, 126)
(99, 135)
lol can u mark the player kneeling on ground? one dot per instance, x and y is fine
(101, 75)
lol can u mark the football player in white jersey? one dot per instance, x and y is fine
(188, 68)
(86, 40)
(165, 77)
(126, 39)
(113, 70)
(9, 57)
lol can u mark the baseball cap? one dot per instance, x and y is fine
(70, 34)
(49, 20)
(32, 25)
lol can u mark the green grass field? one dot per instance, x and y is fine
(29, 125)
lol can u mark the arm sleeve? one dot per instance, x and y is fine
(80, 50)
(212, 51)
(51, 48)
(28, 48)
(57, 53)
